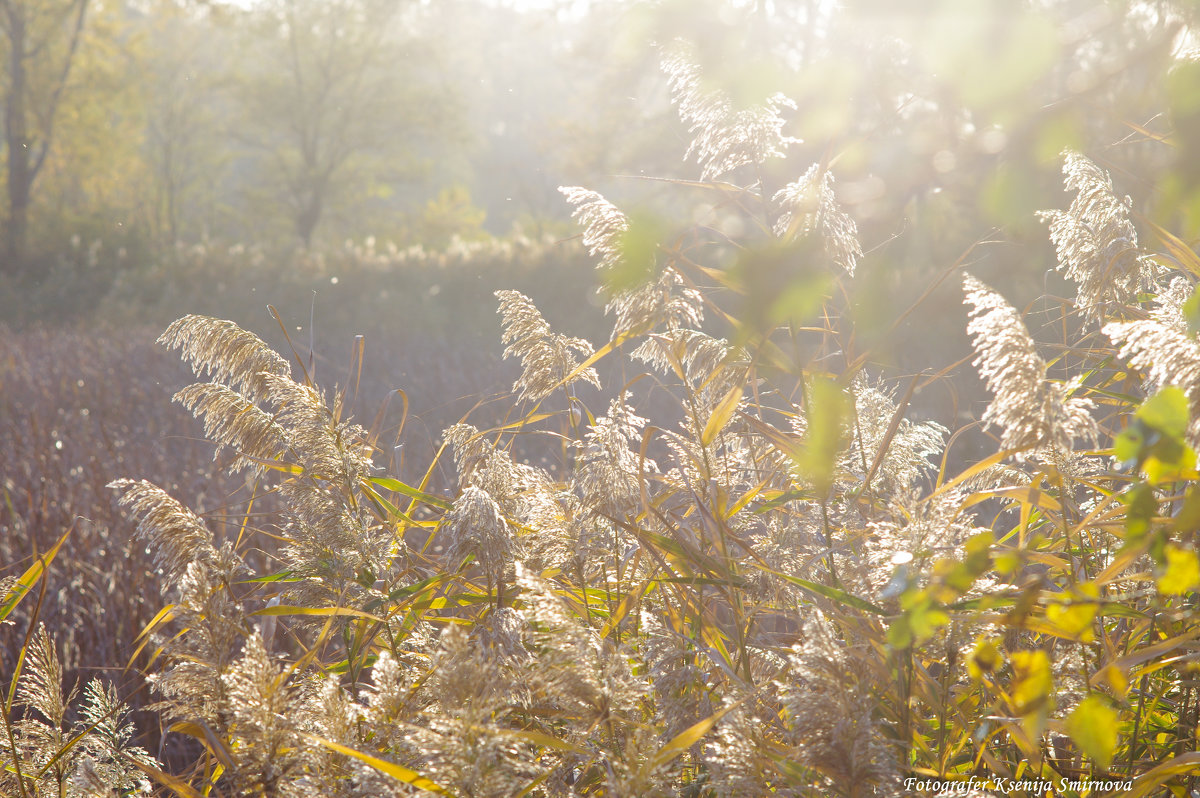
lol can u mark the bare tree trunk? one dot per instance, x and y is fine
(16, 138)
(307, 217)
(27, 150)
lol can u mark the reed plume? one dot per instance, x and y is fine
(1164, 347)
(547, 357)
(1031, 411)
(1096, 242)
(227, 352)
(724, 137)
(664, 301)
(808, 206)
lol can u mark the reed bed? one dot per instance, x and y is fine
(748, 570)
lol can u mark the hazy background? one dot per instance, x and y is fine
(136, 132)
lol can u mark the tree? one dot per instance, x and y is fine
(336, 102)
(42, 39)
(184, 117)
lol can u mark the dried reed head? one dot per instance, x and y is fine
(232, 355)
(41, 689)
(176, 534)
(476, 526)
(608, 471)
(61, 755)
(602, 222)
(1032, 412)
(231, 420)
(664, 301)
(547, 357)
(831, 711)
(262, 716)
(809, 206)
(1097, 244)
(462, 738)
(908, 451)
(1164, 348)
(724, 137)
(106, 761)
(735, 767)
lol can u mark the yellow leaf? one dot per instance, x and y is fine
(1033, 683)
(721, 414)
(684, 740)
(1093, 727)
(986, 658)
(284, 609)
(28, 579)
(1151, 780)
(1116, 679)
(397, 772)
(1182, 572)
(202, 732)
(828, 409)
(172, 783)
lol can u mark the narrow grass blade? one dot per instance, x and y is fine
(398, 772)
(172, 783)
(831, 593)
(28, 579)
(285, 609)
(164, 615)
(1182, 253)
(388, 483)
(1154, 778)
(683, 741)
(201, 731)
(721, 414)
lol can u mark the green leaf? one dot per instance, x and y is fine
(639, 252)
(800, 300)
(922, 617)
(281, 576)
(284, 609)
(781, 283)
(925, 619)
(1166, 411)
(1140, 508)
(1188, 516)
(1191, 309)
(832, 593)
(1155, 440)
(1093, 727)
(828, 410)
(1128, 445)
